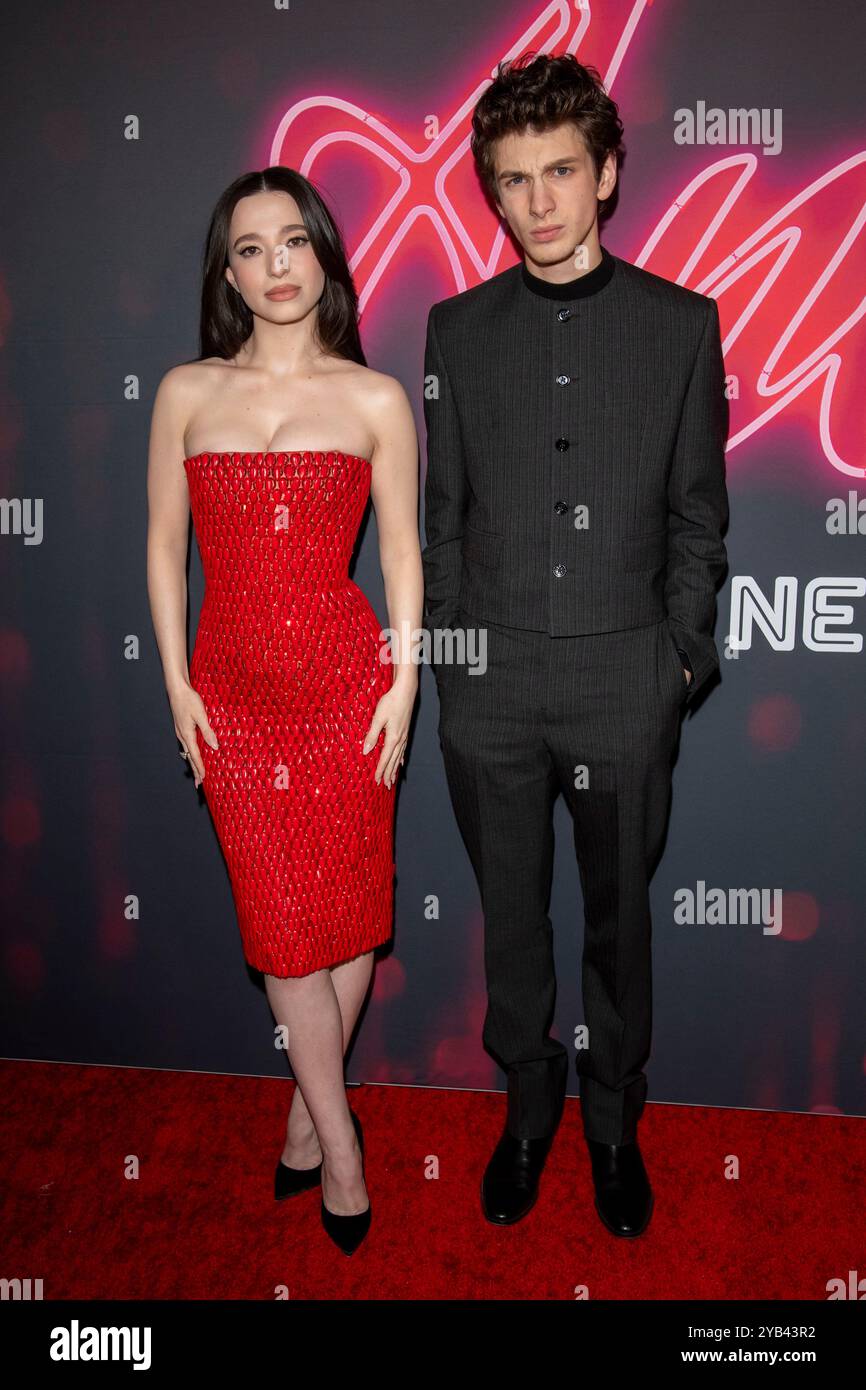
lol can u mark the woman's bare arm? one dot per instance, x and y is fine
(167, 543)
(394, 490)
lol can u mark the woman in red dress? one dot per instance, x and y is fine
(294, 711)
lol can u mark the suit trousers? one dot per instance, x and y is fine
(597, 717)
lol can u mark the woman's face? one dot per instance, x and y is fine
(271, 259)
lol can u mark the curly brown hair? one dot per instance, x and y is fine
(542, 91)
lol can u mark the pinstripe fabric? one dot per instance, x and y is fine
(617, 410)
(595, 717)
(574, 501)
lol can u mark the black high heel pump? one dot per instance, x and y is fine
(288, 1182)
(348, 1231)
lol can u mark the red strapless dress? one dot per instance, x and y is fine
(289, 663)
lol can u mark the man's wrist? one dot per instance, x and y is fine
(686, 660)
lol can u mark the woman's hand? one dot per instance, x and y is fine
(394, 714)
(189, 714)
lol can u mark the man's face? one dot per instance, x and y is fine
(548, 192)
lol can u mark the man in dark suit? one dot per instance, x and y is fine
(574, 503)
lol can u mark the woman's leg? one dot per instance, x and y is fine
(319, 1013)
(351, 981)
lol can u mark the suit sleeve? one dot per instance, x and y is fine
(444, 489)
(698, 509)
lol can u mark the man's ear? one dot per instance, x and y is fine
(609, 166)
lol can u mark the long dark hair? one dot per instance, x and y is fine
(227, 322)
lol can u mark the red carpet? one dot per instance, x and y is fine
(200, 1222)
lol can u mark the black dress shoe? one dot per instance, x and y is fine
(510, 1183)
(349, 1231)
(623, 1196)
(288, 1182)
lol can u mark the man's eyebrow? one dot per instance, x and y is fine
(248, 236)
(554, 164)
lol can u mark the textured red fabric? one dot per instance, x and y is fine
(289, 663)
(200, 1220)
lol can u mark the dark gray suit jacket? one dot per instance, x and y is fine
(576, 459)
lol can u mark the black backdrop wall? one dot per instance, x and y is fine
(123, 124)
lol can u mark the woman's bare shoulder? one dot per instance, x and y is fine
(383, 404)
(187, 378)
(375, 389)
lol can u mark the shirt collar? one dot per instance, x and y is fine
(589, 283)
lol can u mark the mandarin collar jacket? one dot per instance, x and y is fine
(576, 457)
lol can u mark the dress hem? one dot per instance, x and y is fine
(322, 965)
